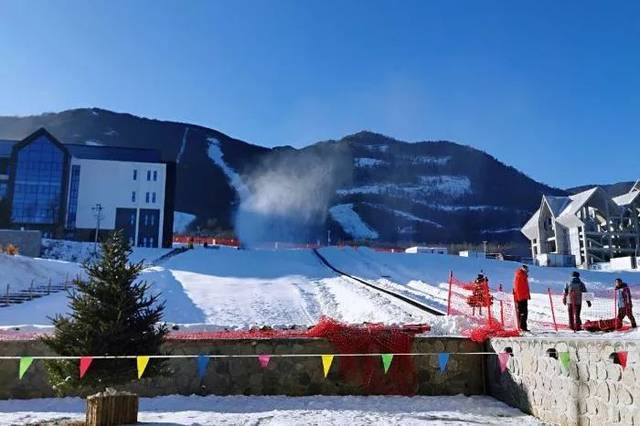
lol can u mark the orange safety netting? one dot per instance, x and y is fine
(367, 372)
(488, 313)
(597, 310)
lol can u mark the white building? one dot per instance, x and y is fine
(69, 190)
(585, 228)
(428, 250)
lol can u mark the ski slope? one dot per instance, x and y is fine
(238, 289)
(424, 277)
(224, 288)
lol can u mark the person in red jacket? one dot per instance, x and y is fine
(522, 295)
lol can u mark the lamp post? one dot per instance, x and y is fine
(97, 212)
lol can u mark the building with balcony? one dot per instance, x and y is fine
(586, 228)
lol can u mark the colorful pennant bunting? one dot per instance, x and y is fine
(503, 360)
(622, 358)
(563, 357)
(25, 363)
(203, 363)
(386, 361)
(443, 360)
(326, 363)
(264, 360)
(85, 362)
(142, 362)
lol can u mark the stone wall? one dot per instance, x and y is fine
(28, 242)
(283, 376)
(593, 391)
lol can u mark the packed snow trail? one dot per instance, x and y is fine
(282, 410)
(408, 300)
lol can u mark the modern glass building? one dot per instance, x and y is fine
(71, 191)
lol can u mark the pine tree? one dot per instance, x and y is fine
(112, 314)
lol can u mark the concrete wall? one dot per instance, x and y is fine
(594, 390)
(28, 242)
(288, 376)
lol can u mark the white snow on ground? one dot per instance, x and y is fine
(426, 159)
(365, 162)
(423, 277)
(351, 222)
(404, 215)
(453, 186)
(225, 288)
(216, 155)
(80, 251)
(183, 145)
(181, 221)
(282, 410)
(19, 271)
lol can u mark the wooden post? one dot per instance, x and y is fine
(112, 408)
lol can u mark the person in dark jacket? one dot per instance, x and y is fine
(573, 299)
(521, 295)
(625, 306)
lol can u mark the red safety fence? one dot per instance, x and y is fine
(488, 312)
(200, 240)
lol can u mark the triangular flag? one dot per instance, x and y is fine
(203, 363)
(264, 360)
(443, 359)
(326, 363)
(386, 361)
(142, 362)
(503, 360)
(564, 359)
(622, 358)
(85, 362)
(25, 363)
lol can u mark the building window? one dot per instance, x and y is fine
(155, 175)
(132, 219)
(146, 198)
(133, 196)
(3, 189)
(74, 186)
(153, 197)
(38, 183)
(148, 174)
(153, 220)
(135, 174)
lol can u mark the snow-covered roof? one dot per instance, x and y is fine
(629, 197)
(556, 204)
(530, 229)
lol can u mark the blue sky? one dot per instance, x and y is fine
(550, 87)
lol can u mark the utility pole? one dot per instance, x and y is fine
(328, 237)
(485, 248)
(97, 212)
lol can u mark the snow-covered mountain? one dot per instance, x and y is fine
(364, 186)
